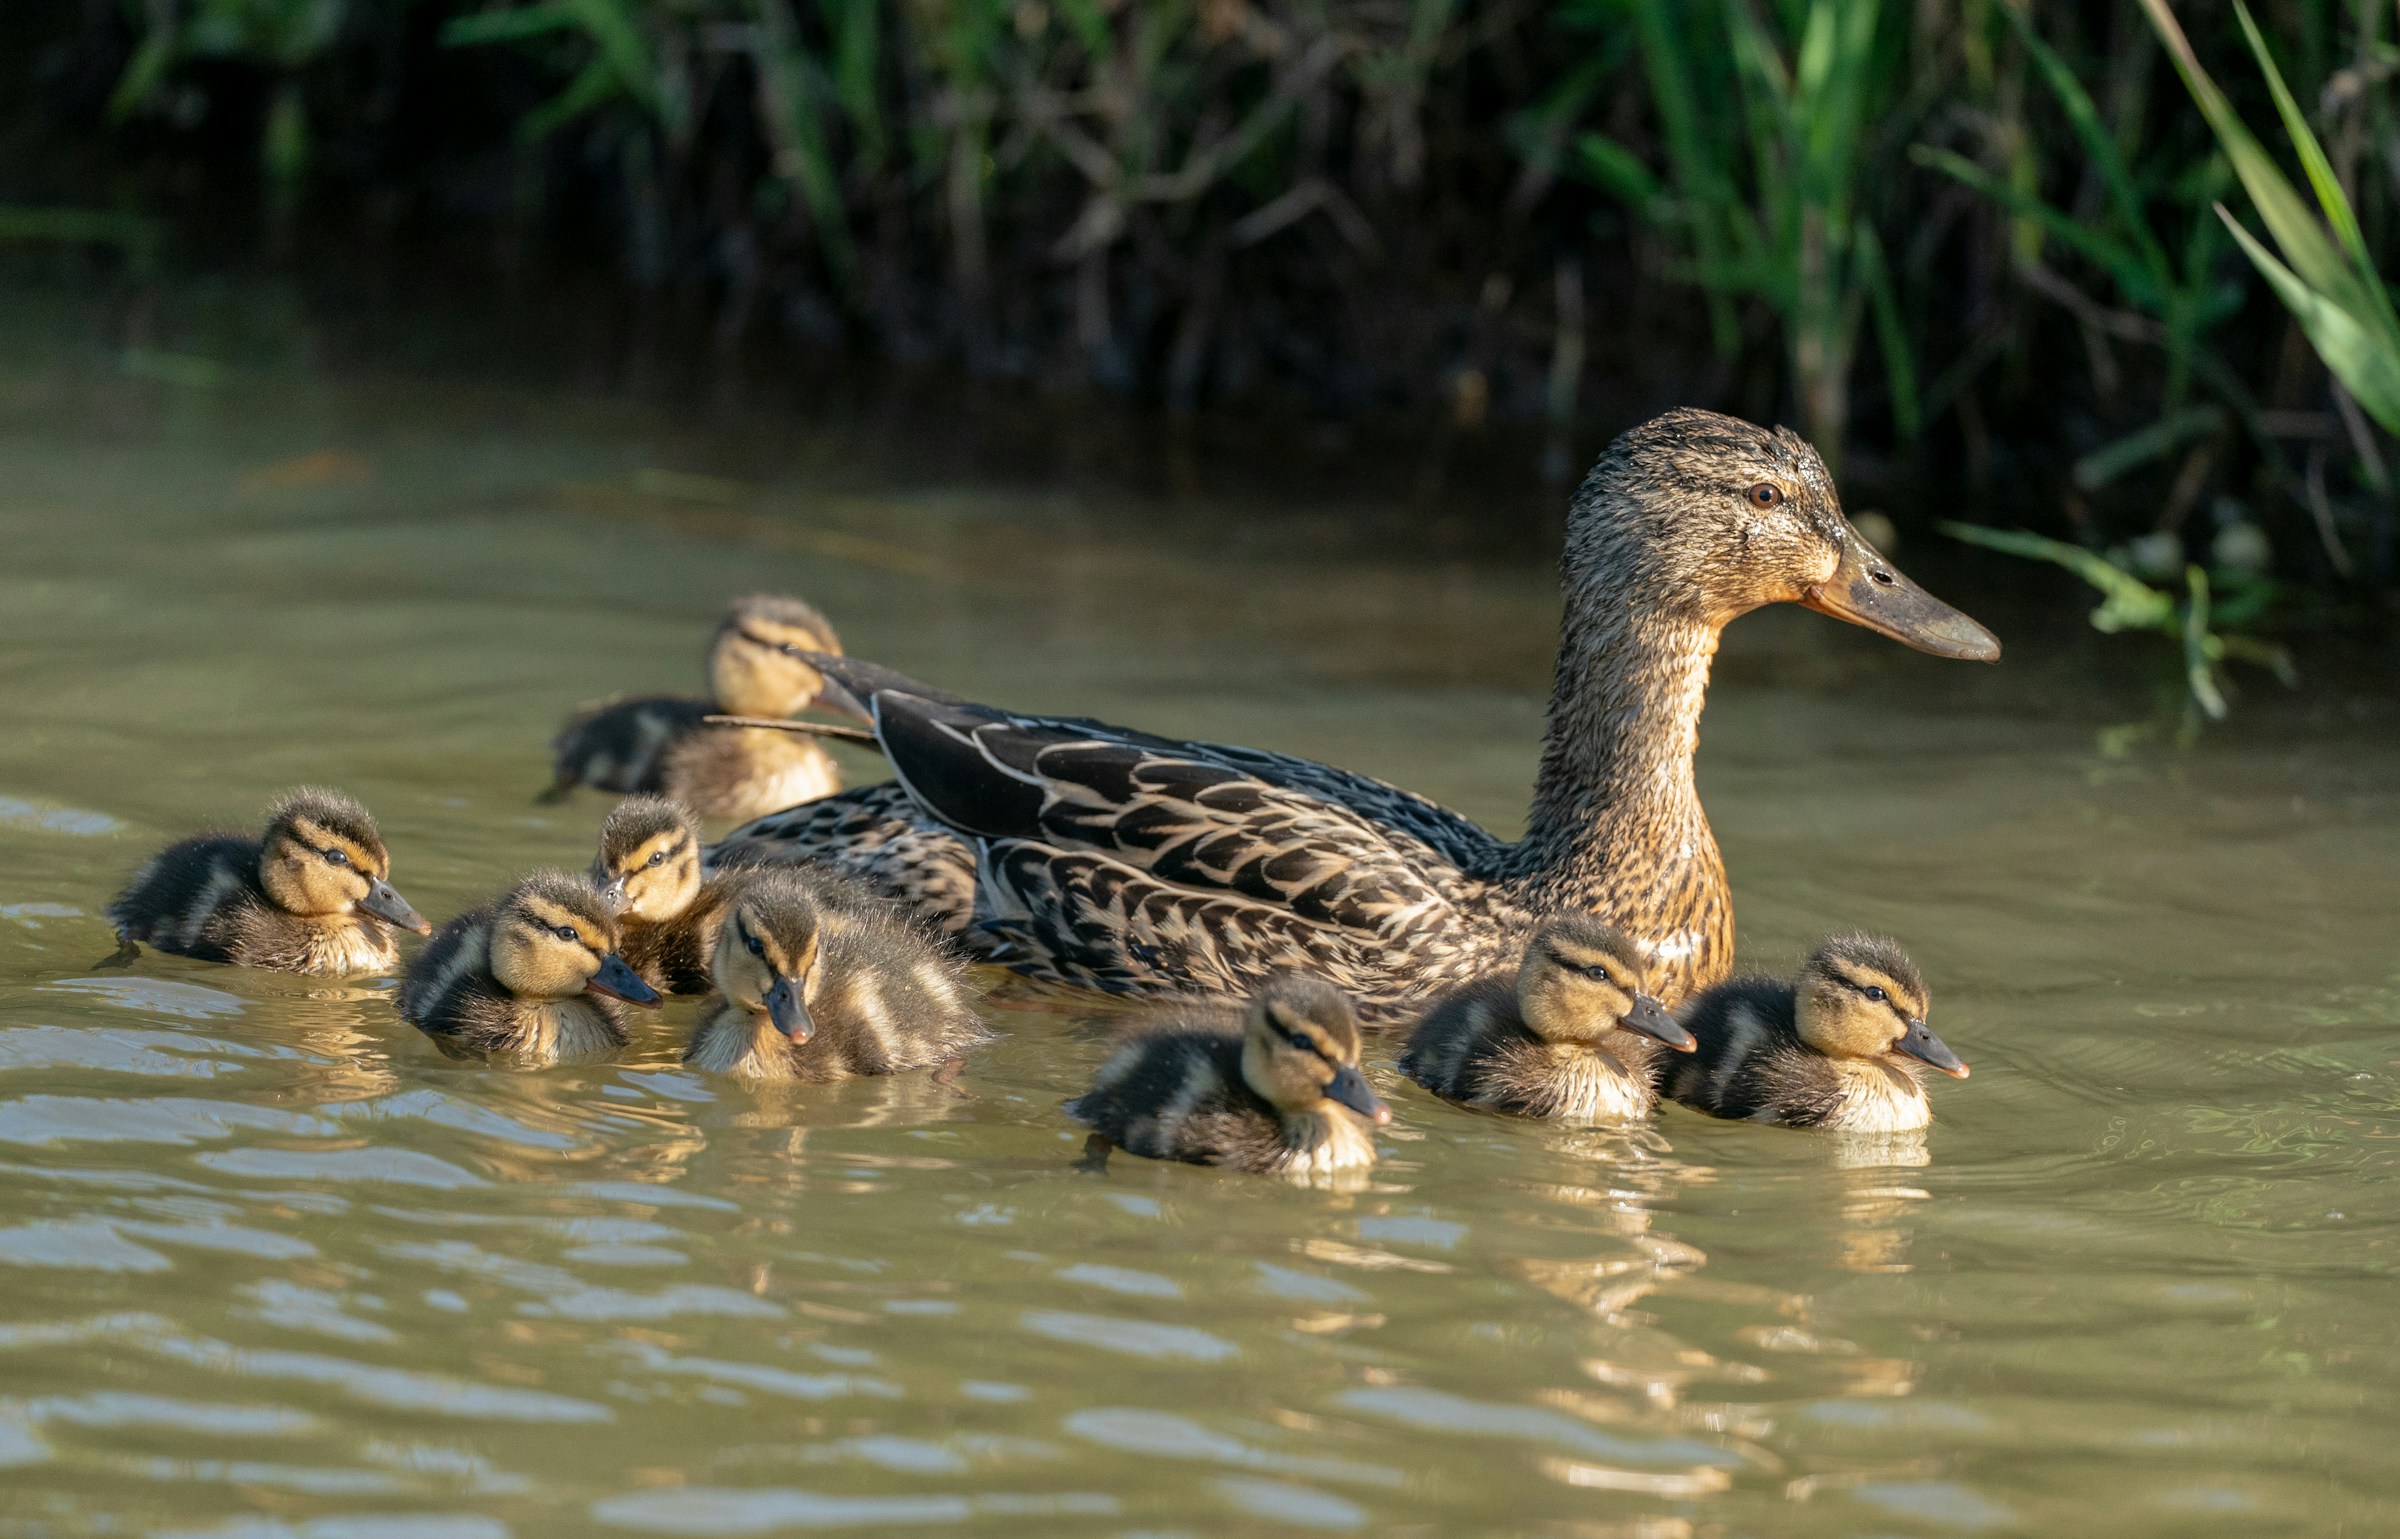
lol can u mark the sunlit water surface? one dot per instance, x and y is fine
(270, 1265)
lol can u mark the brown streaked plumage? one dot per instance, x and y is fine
(310, 895)
(817, 980)
(532, 976)
(1572, 1035)
(757, 666)
(1273, 1088)
(1845, 1046)
(1139, 865)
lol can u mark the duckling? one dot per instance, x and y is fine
(1839, 1048)
(818, 981)
(1573, 1035)
(648, 873)
(534, 975)
(309, 895)
(1272, 1088)
(756, 667)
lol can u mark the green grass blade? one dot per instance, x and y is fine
(2365, 359)
(2199, 667)
(506, 26)
(2131, 272)
(2098, 143)
(2321, 179)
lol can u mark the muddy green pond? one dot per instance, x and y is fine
(270, 1265)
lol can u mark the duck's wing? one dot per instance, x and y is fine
(877, 835)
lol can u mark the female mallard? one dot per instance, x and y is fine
(307, 896)
(758, 665)
(819, 981)
(1573, 1035)
(1844, 1047)
(1273, 1089)
(534, 976)
(1090, 854)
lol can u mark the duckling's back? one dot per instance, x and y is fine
(186, 898)
(891, 999)
(1750, 1063)
(1176, 1092)
(1460, 1037)
(622, 745)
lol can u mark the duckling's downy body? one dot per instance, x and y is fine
(663, 743)
(307, 896)
(817, 980)
(1137, 864)
(533, 976)
(1843, 1047)
(1571, 1036)
(648, 873)
(1273, 1088)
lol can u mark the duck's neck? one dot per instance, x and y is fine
(1616, 827)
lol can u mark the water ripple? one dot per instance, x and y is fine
(722, 1510)
(396, 1167)
(1139, 1338)
(179, 1120)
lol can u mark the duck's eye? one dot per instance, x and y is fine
(1766, 494)
(335, 857)
(565, 932)
(657, 859)
(1876, 994)
(758, 948)
(1598, 974)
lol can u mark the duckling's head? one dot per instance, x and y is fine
(554, 938)
(1582, 979)
(322, 856)
(1861, 997)
(766, 960)
(1300, 1049)
(1710, 517)
(757, 665)
(648, 868)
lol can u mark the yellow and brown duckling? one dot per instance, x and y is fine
(817, 980)
(1574, 1035)
(310, 895)
(1845, 1046)
(648, 873)
(533, 976)
(757, 666)
(1272, 1088)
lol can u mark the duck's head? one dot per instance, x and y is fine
(648, 868)
(1713, 517)
(1861, 997)
(1300, 1049)
(1582, 979)
(322, 856)
(757, 666)
(767, 951)
(554, 939)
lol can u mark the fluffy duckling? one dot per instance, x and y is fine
(756, 667)
(533, 976)
(1840, 1048)
(1274, 1088)
(309, 895)
(818, 981)
(1573, 1035)
(648, 873)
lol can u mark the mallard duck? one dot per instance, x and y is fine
(1273, 1088)
(648, 873)
(818, 980)
(1572, 1035)
(310, 895)
(533, 976)
(1138, 864)
(1843, 1047)
(757, 666)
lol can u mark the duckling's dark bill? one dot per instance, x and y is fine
(1349, 1088)
(1650, 1018)
(1868, 590)
(617, 980)
(383, 900)
(1922, 1044)
(785, 1009)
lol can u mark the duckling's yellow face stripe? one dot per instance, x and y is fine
(1598, 966)
(324, 841)
(660, 849)
(564, 926)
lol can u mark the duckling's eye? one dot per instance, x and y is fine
(1766, 494)
(758, 948)
(1598, 974)
(335, 857)
(1876, 994)
(565, 932)
(656, 859)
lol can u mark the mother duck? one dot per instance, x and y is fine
(1084, 853)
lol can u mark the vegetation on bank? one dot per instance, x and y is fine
(2023, 246)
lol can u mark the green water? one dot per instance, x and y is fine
(270, 1265)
